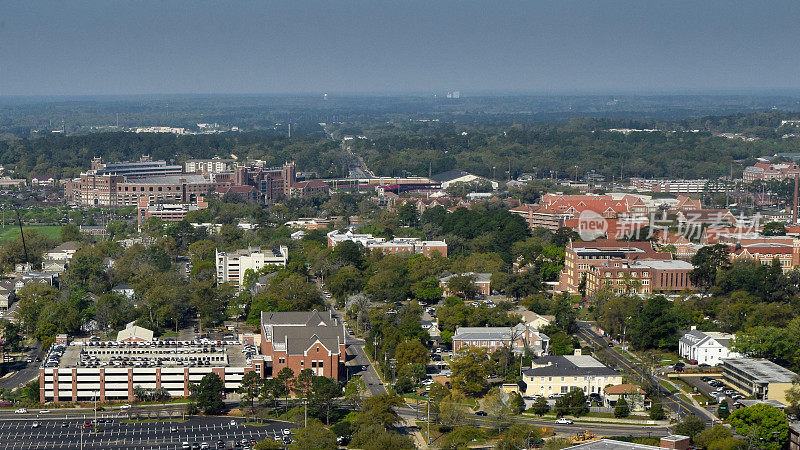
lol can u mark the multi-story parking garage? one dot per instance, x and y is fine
(110, 370)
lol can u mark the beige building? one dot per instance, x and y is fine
(758, 378)
(561, 374)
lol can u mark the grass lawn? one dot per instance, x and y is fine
(670, 387)
(12, 232)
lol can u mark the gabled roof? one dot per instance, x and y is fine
(299, 330)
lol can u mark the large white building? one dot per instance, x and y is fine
(231, 266)
(706, 347)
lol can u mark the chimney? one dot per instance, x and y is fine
(794, 202)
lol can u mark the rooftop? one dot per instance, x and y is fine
(665, 264)
(577, 365)
(610, 444)
(172, 179)
(761, 370)
(156, 353)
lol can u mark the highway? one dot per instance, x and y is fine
(671, 402)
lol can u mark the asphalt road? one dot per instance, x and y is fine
(598, 429)
(671, 402)
(25, 372)
(71, 433)
(356, 357)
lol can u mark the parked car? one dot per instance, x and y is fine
(563, 421)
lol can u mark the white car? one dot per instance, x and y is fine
(233, 423)
(286, 432)
(125, 406)
(20, 411)
(564, 421)
(44, 411)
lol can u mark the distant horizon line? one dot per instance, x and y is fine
(484, 93)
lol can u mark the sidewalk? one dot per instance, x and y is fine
(606, 420)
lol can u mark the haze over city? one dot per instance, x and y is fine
(440, 224)
(299, 47)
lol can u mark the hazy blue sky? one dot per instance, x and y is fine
(377, 46)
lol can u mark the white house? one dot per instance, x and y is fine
(706, 347)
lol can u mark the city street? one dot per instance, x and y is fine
(71, 433)
(671, 402)
(24, 372)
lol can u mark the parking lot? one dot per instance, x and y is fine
(72, 433)
(714, 391)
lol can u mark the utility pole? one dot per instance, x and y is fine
(428, 434)
(22, 235)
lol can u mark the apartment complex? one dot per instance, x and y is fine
(759, 378)
(391, 247)
(303, 340)
(550, 375)
(232, 266)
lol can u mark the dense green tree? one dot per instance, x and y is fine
(764, 424)
(314, 436)
(519, 436)
(690, 426)
(540, 406)
(621, 409)
(657, 410)
(573, 403)
(251, 387)
(707, 261)
(376, 437)
(773, 229)
(379, 410)
(471, 366)
(209, 394)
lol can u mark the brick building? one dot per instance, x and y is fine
(770, 172)
(519, 338)
(580, 257)
(303, 340)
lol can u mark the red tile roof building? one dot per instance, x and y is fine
(770, 172)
